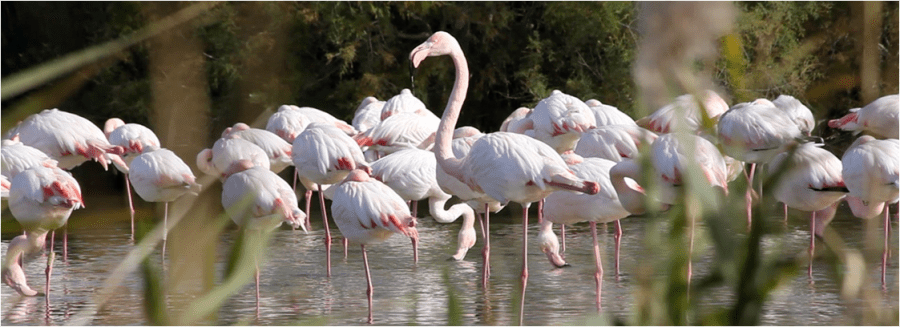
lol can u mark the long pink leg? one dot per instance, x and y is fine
(65, 242)
(327, 233)
(618, 237)
(690, 271)
(785, 213)
(887, 236)
(130, 204)
(49, 269)
(257, 288)
(749, 196)
(598, 276)
(308, 196)
(165, 232)
(812, 244)
(369, 289)
(346, 243)
(486, 251)
(524, 260)
(415, 208)
(541, 216)
(562, 231)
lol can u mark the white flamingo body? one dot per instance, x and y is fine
(290, 120)
(161, 176)
(16, 157)
(226, 151)
(412, 174)
(134, 138)
(401, 131)
(277, 149)
(755, 132)
(67, 138)
(878, 118)
(516, 122)
(41, 199)
(560, 119)
(270, 200)
(800, 114)
(683, 114)
(614, 142)
(368, 114)
(324, 155)
(403, 102)
(451, 185)
(871, 171)
(608, 115)
(563, 207)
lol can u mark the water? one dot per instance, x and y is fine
(296, 291)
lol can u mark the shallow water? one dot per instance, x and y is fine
(295, 290)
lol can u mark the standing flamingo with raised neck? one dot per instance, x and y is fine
(505, 166)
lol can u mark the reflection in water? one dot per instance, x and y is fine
(294, 289)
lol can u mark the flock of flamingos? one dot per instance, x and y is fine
(577, 159)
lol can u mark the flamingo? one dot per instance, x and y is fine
(811, 181)
(608, 115)
(401, 131)
(800, 114)
(755, 132)
(41, 199)
(516, 121)
(135, 139)
(614, 142)
(505, 166)
(411, 173)
(258, 200)
(563, 207)
(367, 114)
(671, 156)
(367, 212)
(161, 176)
(559, 120)
(403, 102)
(871, 172)
(226, 151)
(67, 138)
(878, 118)
(684, 114)
(16, 157)
(290, 120)
(323, 154)
(277, 149)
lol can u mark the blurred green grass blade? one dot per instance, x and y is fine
(33, 77)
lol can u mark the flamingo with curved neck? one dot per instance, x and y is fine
(505, 166)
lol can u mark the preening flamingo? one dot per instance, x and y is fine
(683, 114)
(505, 166)
(412, 174)
(564, 207)
(135, 139)
(259, 201)
(367, 114)
(608, 115)
(16, 157)
(367, 212)
(67, 138)
(41, 199)
(226, 151)
(810, 181)
(403, 102)
(614, 142)
(290, 120)
(516, 121)
(401, 131)
(277, 149)
(800, 114)
(871, 172)
(559, 120)
(878, 118)
(323, 154)
(161, 176)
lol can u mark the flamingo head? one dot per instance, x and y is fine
(439, 44)
(111, 125)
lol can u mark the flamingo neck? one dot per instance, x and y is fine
(443, 148)
(631, 199)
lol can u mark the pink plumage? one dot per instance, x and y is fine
(67, 138)
(878, 118)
